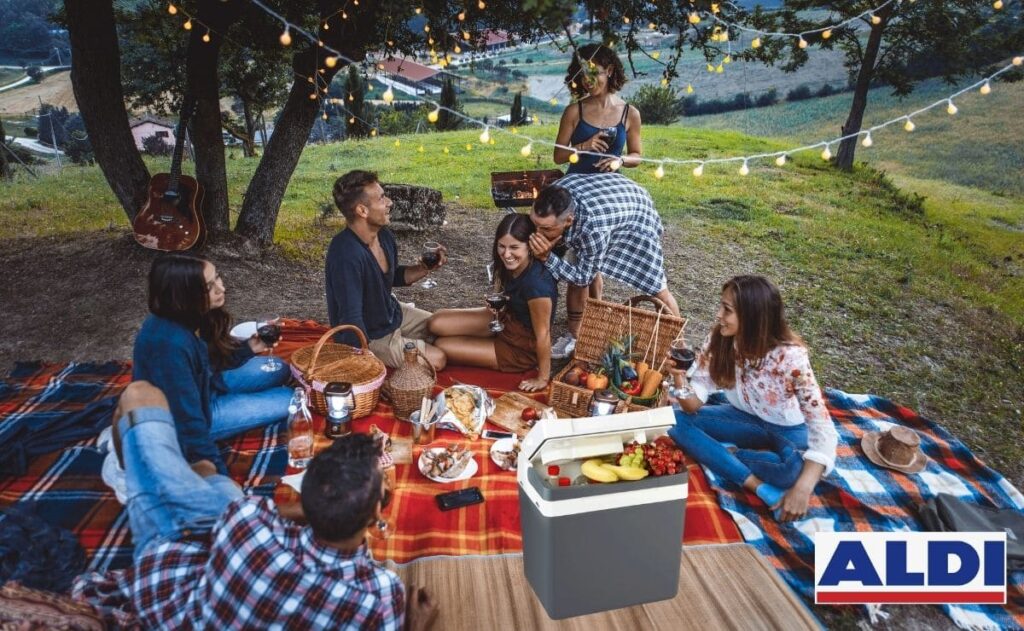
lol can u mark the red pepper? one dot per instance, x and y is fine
(632, 388)
(553, 470)
(564, 481)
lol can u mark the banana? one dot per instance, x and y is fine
(594, 471)
(626, 473)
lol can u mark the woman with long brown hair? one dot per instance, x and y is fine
(216, 386)
(774, 435)
(524, 343)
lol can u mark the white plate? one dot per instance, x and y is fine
(467, 473)
(244, 330)
(502, 444)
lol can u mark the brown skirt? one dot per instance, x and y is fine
(515, 347)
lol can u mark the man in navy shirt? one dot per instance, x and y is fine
(362, 268)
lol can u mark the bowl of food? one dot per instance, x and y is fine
(447, 464)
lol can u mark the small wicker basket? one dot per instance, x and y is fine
(410, 383)
(316, 366)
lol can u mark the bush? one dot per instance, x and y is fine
(35, 73)
(799, 94)
(659, 105)
(528, 60)
(827, 90)
(31, 132)
(77, 145)
(156, 146)
(771, 97)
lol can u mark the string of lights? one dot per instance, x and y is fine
(984, 87)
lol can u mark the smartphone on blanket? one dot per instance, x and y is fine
(458, 499)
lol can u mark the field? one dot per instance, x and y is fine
(54, 89)
(978, 147)
(8, 75)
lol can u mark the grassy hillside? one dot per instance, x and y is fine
(979, 147)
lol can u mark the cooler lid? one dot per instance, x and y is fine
(568, 439)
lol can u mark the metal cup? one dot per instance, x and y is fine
(422, 433)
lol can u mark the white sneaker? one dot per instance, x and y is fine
(563, 347)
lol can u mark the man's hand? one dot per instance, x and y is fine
(541, 247)
(420, 611)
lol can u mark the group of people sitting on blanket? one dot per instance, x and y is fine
(749, 409)
(207, 556)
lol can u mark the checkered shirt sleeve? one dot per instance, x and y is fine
(616, 231)
(262, 572)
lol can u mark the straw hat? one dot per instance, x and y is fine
(897, 448)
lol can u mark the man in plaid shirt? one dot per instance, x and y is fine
(610, 223)
(207, 557)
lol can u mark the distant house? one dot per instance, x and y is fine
(493, 41)
(150, 125)
(419, 78)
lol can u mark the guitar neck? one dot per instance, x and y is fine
(179, 145)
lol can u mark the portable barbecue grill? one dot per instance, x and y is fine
(512, 189)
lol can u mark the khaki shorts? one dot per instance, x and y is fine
(390, 349)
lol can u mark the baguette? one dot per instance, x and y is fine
(651, 382)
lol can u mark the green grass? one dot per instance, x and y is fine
(978, 147)
(10, 76)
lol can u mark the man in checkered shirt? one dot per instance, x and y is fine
(207, 557)
(610, 223)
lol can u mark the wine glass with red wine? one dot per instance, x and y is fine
(608, 135)
(496, 302)
(681, 354)
(431, 257)
(269, 332)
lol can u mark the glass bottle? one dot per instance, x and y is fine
(300, 431)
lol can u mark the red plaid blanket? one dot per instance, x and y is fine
(67, 489)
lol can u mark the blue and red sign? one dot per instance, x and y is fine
(910, 568)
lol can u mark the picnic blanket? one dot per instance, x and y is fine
(860, 496)
(67, 490)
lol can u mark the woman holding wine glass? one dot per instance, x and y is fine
(216, 386)
(513, 332)
(599, 122)
(774, 435)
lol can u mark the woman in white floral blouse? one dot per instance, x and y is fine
(774, 436)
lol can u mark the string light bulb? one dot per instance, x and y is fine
(421, 149)
(756, 43)
(826, 34)
(187, 25)
(694, 18)
(781, 160)
(352, 120)
(1018, 61)
(433, 115)
(826, 155)
(745, 169)
(465, 35)
(485, 135)
(802, 43)
(373, 132)
(327, 26)
(481, 5)
(286, 37)
(173, 10)
(909, 125)
(526, 150)
(206, 36)
(398, 143)
(616, 164)
(986, 88)
(462, 16)
(445, 150)
(312, 96)
(659, 172)
(997, 5)
(331, 62)
(388, 96)
(574, 157)
(950, 107)
(698, 170)
(689, 88)
(867, 142)
(875, 19)
(324, 116)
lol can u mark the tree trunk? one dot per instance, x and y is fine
(96, 80)
(207, 139)
(280, 156)
(249, 143)
(848, 147)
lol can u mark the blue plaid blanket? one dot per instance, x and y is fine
(858, 495)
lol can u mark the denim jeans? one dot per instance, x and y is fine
(250, 397)
(166, 499)
(766, 450)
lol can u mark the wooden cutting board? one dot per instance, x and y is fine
(508, 410)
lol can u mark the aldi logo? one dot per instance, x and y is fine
(910, 568)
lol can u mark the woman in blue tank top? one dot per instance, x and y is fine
(599, 122)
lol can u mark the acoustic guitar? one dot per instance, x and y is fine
(171, 219)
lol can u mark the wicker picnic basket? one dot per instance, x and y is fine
(317, 365)
(603, 321)
(410, 382)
